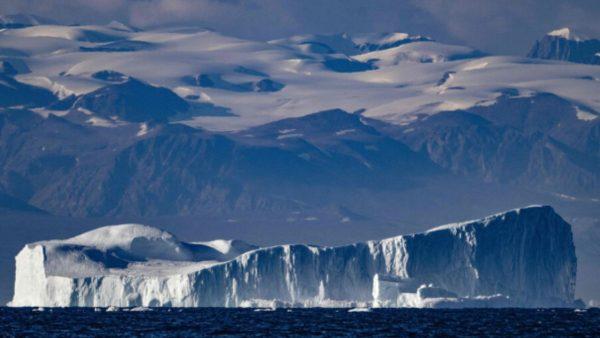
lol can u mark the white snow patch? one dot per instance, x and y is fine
(140, 309)
(454, 105)
(100, 122)
(475, 66)
(565, 33)
(585, 115)
(344, 132)
(566, 197)
(41, 81)
(294, 135)
(143, 130)
(45, 112)
(421, 52)
(85, 111)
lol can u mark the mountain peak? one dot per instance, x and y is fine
(325, 121)
(133, 100)
(566, 45)
(566, 33)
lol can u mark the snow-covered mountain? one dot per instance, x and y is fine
(523, 257)
(391, 76)
(566, 45)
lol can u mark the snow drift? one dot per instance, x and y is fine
(523, 257)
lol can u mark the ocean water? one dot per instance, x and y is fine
(298, 322)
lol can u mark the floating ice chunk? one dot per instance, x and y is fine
(140, 309)
(524, 257)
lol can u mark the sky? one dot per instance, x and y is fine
(494, 26)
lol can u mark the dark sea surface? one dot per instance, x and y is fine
(299, 322)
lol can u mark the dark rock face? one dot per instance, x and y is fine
(63, 104)
(6, 68)
(347, 65)
(322, 124)
(13, 93)
(175, 169)
(268, 85)
(109, 76)
(559, 48)
(347, 150)
(538, 142)
(134, 101)
(11, 66)
(327, 158)
(216, 81)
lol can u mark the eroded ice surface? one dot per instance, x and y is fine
(523, 257)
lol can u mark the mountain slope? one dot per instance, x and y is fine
(174, 169)
(133, 101)
(539, 141)
(15, 93)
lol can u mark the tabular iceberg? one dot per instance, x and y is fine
(523, 257)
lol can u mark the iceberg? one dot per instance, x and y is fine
(523, 257)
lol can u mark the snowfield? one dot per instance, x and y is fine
(389, 76)
(522, 257)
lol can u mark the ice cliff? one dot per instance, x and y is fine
(523, 257)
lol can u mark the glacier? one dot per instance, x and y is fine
(523, 257)
(398, 82)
